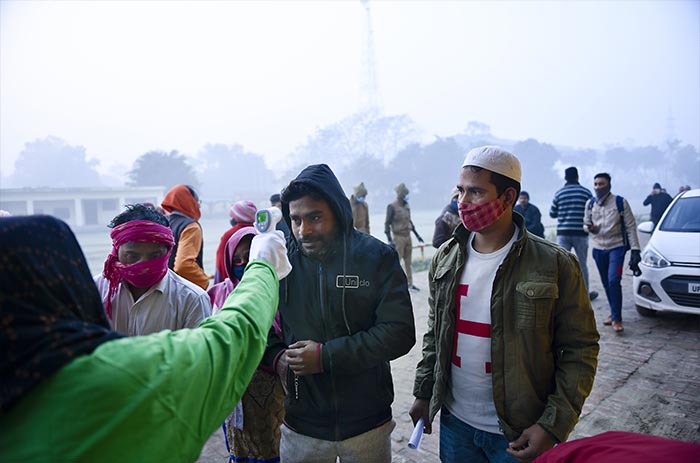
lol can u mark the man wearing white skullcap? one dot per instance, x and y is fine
(511, 348)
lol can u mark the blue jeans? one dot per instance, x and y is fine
(609, 265)
(580, 245)
(461, 443)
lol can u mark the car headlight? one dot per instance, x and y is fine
(652, 258)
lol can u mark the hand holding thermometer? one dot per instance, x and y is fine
(266, 219)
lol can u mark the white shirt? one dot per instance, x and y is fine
(471, 396)
(171, 304)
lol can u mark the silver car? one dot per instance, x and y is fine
(670, 278)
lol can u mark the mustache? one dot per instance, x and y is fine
(309, 240)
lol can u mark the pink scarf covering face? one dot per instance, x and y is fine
(141, 274)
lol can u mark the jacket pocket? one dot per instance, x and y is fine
(534, 303)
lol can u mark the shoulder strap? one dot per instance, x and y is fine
(619, 201)
(590, 203)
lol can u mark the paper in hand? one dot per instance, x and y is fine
(416, 435)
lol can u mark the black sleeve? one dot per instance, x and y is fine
(442, 232)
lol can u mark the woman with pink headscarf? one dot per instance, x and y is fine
(236, 249)
(242, 215)
(252, 430)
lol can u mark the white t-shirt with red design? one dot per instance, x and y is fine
(471, 396)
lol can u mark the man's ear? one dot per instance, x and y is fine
(511, 196)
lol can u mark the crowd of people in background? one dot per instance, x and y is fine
(287, 344)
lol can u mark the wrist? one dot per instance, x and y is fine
(555, 440)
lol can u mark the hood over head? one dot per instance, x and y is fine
(231, 246)
(183, 199)
(321, 178)
(51, 310)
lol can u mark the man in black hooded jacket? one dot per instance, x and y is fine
(345, 313)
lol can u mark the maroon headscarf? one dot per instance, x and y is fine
(50, 310)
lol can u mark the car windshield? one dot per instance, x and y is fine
(684, 216)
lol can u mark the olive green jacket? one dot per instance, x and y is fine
(544, 341)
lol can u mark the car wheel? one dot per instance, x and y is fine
(644, 312)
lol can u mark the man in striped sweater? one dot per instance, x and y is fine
(568, 207)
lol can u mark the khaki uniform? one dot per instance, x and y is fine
(399, 223)
(360, 214)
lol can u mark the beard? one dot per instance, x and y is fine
(318, 248)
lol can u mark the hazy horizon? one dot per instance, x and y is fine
(124, 78)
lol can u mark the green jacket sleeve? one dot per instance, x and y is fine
(148, 398)
(425, 371)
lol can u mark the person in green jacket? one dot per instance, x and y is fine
(511, 349)
(74, 391)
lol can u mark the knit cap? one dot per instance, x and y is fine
(243, 211)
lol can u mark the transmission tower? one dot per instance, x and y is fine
(369, 91)
(670, 126)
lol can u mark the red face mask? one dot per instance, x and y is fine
(479, 216)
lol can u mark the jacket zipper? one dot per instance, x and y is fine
(325, 336)
(323, 323)
(320, 297)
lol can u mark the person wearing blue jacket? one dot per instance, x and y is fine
(345, 312)
(531, 214)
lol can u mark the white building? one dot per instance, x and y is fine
(79, 207)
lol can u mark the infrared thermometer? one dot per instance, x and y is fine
(266, 219)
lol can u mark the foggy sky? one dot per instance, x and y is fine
(123, 78)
